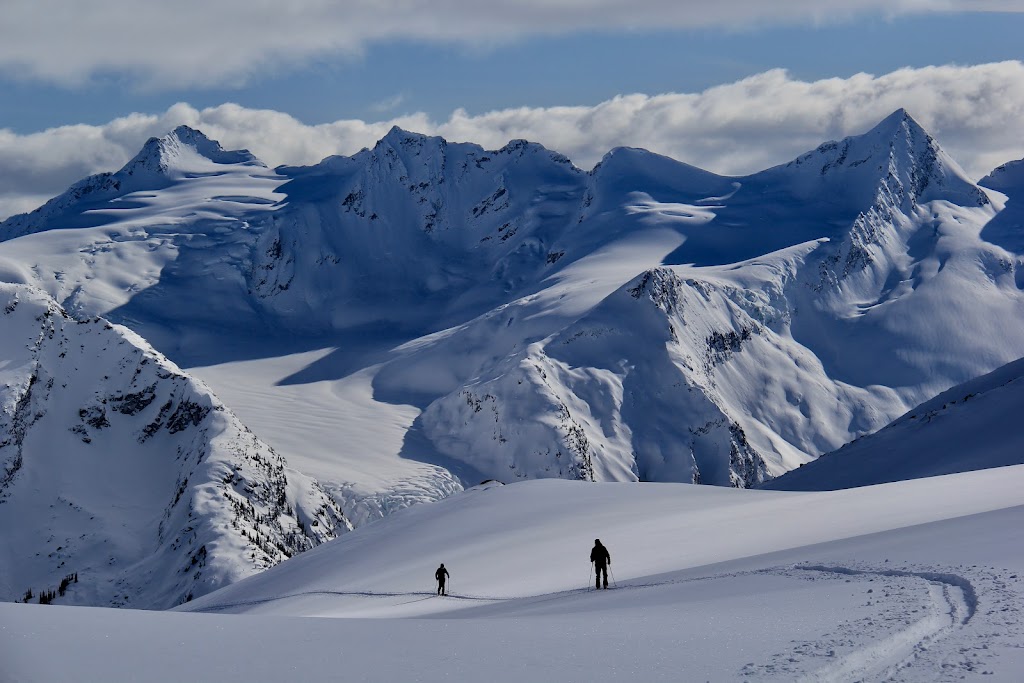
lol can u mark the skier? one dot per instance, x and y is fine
(441, 574)
(600, 558)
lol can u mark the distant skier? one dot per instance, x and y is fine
(601, 558)
(441, 575)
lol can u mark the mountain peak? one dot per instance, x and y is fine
(184, 150)
(192, 136)
(900, 125)
(401, 143)
(897, 153)
(397, 131)
(897, 119)
(635, 167)
(399, 137)
(183, 153)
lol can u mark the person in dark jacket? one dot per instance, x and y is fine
(441, 575)
(601, 558)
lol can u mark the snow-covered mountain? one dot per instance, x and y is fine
(118, 468)
(849, 307)
(502, 314)
(1008, 178)
(972, 426)
(183, 154)
(413, 233)
(1007, 229)
(179, 211)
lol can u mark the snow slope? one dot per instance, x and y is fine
(871, 584)
(334, 430)
(119, 468)
(969, 427)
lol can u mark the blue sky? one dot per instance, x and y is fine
(733, 86)
(398, 76)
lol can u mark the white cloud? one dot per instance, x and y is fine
(205, 42)
(388, 104)
(735, 128)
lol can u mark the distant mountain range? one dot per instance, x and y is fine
(646, 320)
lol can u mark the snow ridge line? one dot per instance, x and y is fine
(953, 601)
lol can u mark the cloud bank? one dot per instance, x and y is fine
(737, 128)
(207, 42)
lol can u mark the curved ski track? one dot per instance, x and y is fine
(952, 602)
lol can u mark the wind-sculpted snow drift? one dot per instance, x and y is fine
(121, 470)
(646, 320)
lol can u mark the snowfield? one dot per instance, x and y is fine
(913, 581)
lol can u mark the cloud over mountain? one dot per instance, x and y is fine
(229, 40)
(732, 129)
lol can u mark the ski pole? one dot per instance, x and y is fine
(590, 576)
(610, 571)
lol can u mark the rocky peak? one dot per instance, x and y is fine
(521, 148)
(897, 162)
(181, 150)
(408, 142)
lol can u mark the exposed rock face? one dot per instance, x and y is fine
(116, 465)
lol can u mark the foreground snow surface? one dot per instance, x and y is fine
(918, 580)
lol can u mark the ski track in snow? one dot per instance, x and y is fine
(938, 624)
(915, 611)
(951, 603)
